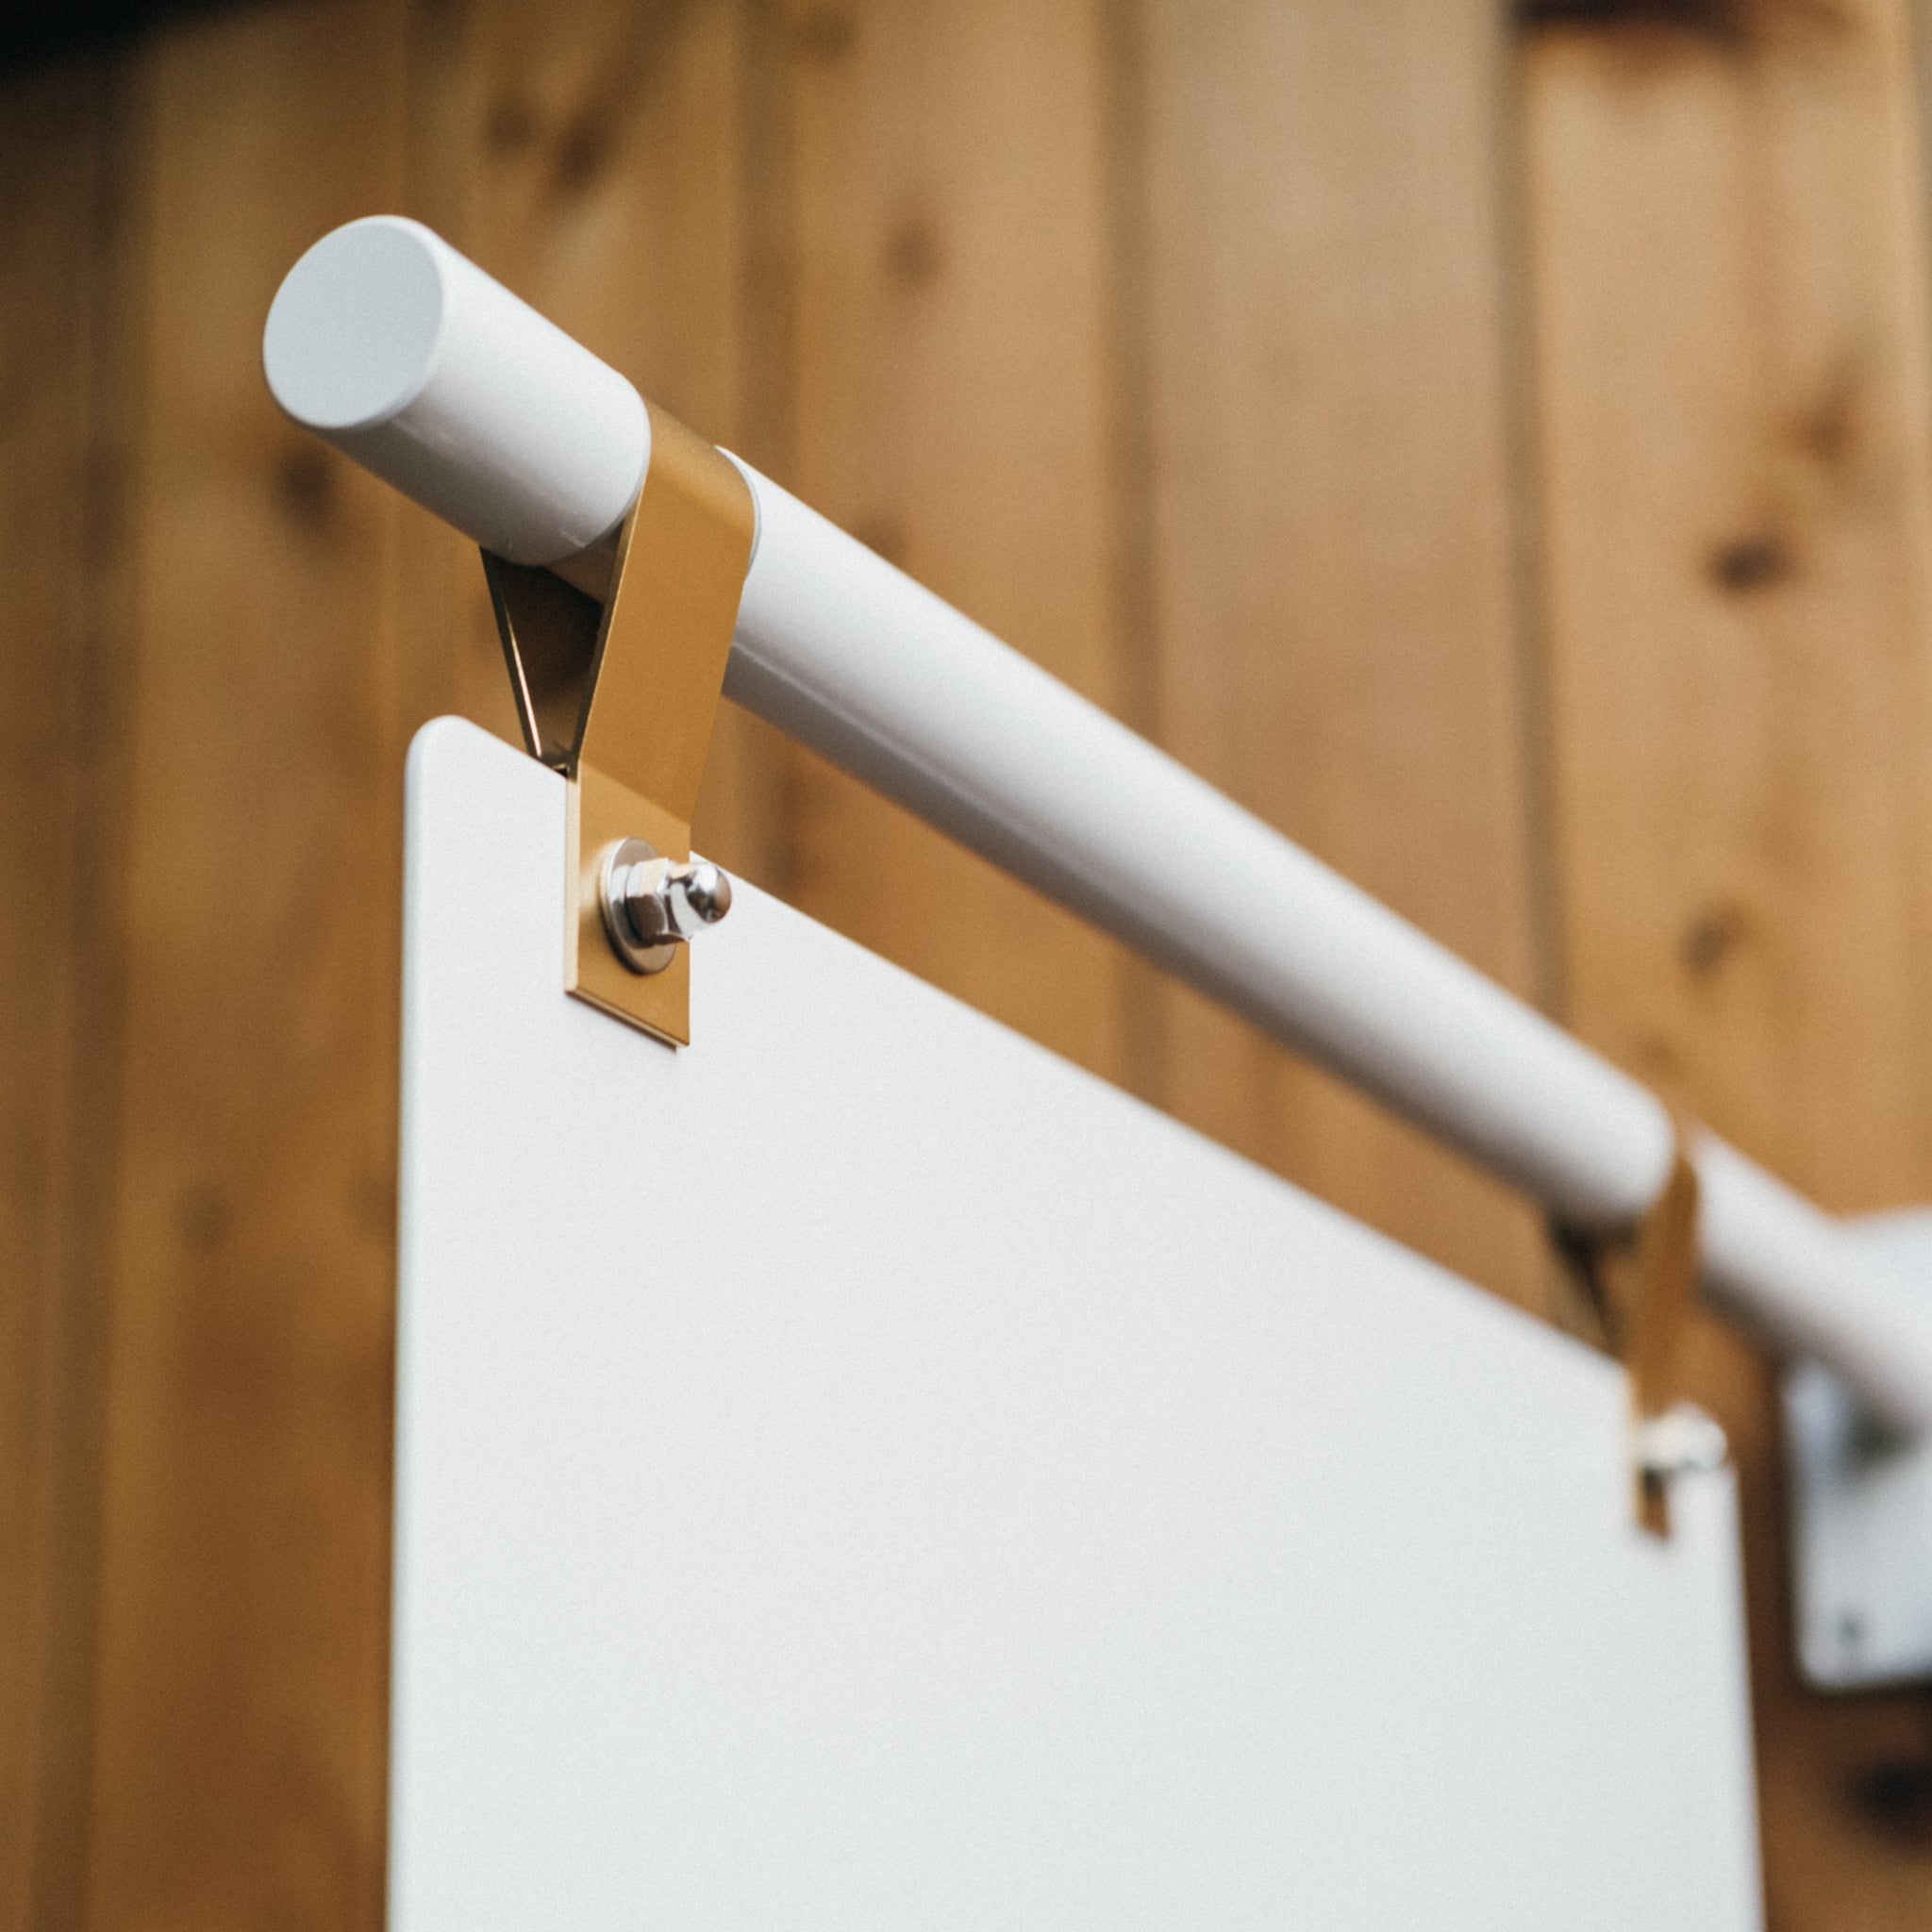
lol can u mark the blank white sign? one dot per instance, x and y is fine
(860, 1472)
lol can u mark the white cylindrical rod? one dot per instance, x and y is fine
(405, 356)
(413, 360)
(842, 651)
(1787, 1272)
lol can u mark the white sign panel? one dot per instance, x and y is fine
(860, 1472)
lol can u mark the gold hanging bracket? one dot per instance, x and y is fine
(619, 692)
(1663, 1292)
(1642, 1284)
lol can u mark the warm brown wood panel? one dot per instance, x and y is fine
(1729, 306)
(245, 1572)
(590, 154)
(59, 716)
(1181, 341)
(947, 402)
(1337, 625)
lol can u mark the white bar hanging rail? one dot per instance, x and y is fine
(391, 345)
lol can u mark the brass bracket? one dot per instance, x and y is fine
(620, 693)
(1641, 1283)
(1663, 1293)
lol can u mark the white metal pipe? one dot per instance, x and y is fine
(848, 655)
(409, 358)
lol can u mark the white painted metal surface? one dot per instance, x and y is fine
(853, 657)
(861, 1472)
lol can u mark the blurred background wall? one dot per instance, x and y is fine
(1491, 443)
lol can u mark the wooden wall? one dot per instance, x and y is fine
(1491, 445)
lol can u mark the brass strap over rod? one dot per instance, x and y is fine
(1663, 1292)
(1643, 1286)
(622, 696)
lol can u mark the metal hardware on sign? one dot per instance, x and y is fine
(1663, 1293)
(1682, 1440)
(653, 906)
(620, 695)
(1643, 1285)
(1861, 1510)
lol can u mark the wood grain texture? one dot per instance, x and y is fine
(1179, 342)
(947, 403)
(238, 1766)
(60, 716)
(598, 161)
(1336, 624)
(1729, 305)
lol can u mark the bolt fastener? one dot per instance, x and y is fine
(1683, 1441)
(653, 904)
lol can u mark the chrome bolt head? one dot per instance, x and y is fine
(651, 904)
(704, 891)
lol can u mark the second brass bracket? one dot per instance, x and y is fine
(1663, 1293)
(1641, 1283)
(621, 694)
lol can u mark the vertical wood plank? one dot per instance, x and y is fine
(60, 718)
(295, 625)
(947, 404)
(589, 154)
(241, 1747)
(42, 507)
(1731, 343)
(450, 661)
(1336, 614)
